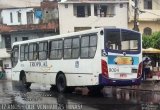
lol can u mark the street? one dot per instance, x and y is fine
(113, 98)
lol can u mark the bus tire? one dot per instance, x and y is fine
(61, 84)
(24, 82)
(53, 88)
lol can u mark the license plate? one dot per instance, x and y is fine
(121, 76)
(124, 70)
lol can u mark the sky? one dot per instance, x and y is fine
(19, 3)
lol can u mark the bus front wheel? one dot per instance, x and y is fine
(61, 83)
(24, 82)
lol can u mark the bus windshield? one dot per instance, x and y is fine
(122, 40)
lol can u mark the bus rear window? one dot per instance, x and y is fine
(122, 40)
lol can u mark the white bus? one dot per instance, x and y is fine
(96, 57)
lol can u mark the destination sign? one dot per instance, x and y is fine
(38, 64)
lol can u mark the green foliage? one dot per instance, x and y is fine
(156, 40)
(146, 41)
(151, 40)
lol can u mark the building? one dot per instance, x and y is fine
(148, 16)
(49, 11)
(23, 23)
(19, 16)
(75, 15)
(19, 3)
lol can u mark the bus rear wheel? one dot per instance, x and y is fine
(24, 82)
(61, 83)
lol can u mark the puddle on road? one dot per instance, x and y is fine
(134, 96)
(40, 95)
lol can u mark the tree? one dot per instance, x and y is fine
(154, 42)
(146, 41)
(151, 40)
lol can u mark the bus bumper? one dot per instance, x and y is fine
(118, 82)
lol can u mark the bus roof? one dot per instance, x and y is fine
(65, 35)
(58, 36)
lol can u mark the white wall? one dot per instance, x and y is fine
(148, 14)
(68, 21)
(23, 11)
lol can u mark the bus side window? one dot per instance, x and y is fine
(75, 47)
(33, 55)
(88, 46)
(43, 50)
(93, 45)
(24, 52)
(56, 49)
(67, 48)
(71, 47)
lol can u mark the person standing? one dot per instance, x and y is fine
(146, 67)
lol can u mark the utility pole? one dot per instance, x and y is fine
(136, 16)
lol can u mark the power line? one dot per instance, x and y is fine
(148, 12)
(136, 10)
(144, 11)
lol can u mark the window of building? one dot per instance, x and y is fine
(147, 4)
(104, 10)
(29, 17)
(24, 38)
(19, 17)
(121, 5)
(11, 17)
(43, 50)
(82, 10)
(66, 5)
(15, 39)
(33, 51)
(71, 48)
(7, 41)
(56, 49)
(24, 52)
(147, 31)
(88, 46)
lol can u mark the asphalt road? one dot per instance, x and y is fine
(39, 97)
